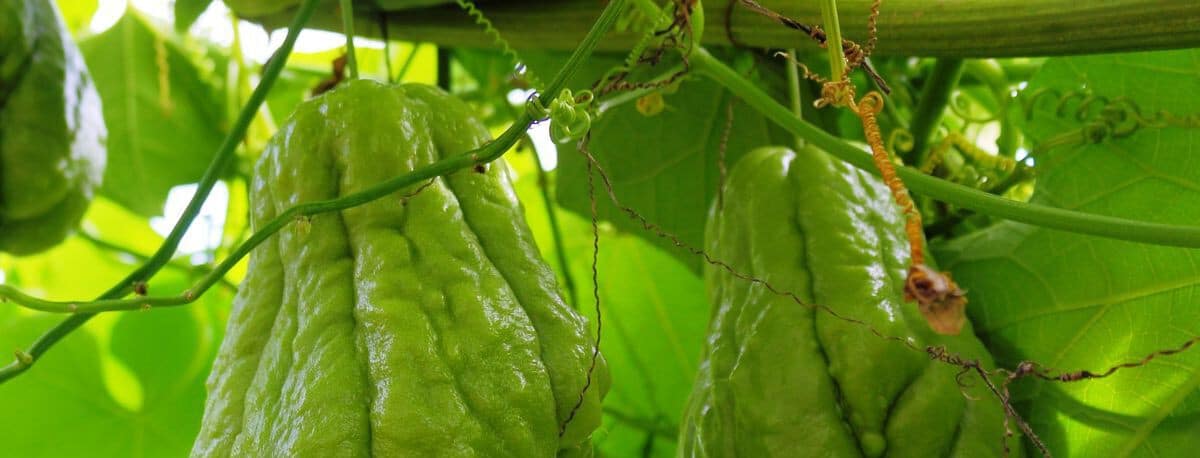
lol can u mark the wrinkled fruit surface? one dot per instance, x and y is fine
(415, 325)
(51, 129)
(784, 380)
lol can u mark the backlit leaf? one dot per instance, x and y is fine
(1074, 302)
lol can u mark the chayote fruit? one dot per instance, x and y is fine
(52, 130)
(418, 325)
(783, 380)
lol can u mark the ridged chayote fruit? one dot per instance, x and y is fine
(418, 325)
(783, 380)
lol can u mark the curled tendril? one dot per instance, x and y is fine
(1085, 106)
(982, 170)
(1103, 118)
(1095, 132)
(960, 105)
(1124, 118)
(491, 31)
(633, 18)
(570, 116)
(677, 27)
(901, 140)
(631, 60)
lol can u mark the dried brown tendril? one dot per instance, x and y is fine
(938, 297)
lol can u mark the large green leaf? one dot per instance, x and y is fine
(654, 319)
(1075, 302)
(164, 121)
(127, 384)
(665, 165)
(655, 314)
(187, 11)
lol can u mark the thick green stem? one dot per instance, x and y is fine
(833, 34)
(110, 300)
(930, 106)
(975, 28)
(793, 87)
(1038, 215)
(387, 51)
(348, 30)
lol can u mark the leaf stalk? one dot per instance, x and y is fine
(1022, 212)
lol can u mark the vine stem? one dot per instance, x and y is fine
(1023, 212)
(485, 154)
(833, 34)
(111, 299)
(194, 270)
(220, 163)
(412, 56)
(387, 49)
(793, 87)
(934, 96)
(347, 8)
(704, 63)
(995, 77)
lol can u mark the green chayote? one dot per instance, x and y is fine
(415, 325)
(783, 380)
(51, 129)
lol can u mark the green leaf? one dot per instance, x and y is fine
(1073, 302)
(654, 319)
(77, 14)
(187, 11)
(655, 315)
(485, 79)
(164, 121)
(55, 274)
(127, 384)
(667, 165)
(64, 392)
(291, 88)
(490, 71)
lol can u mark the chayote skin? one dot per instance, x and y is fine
(52, 130)
(421, 326)
(783, 380)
